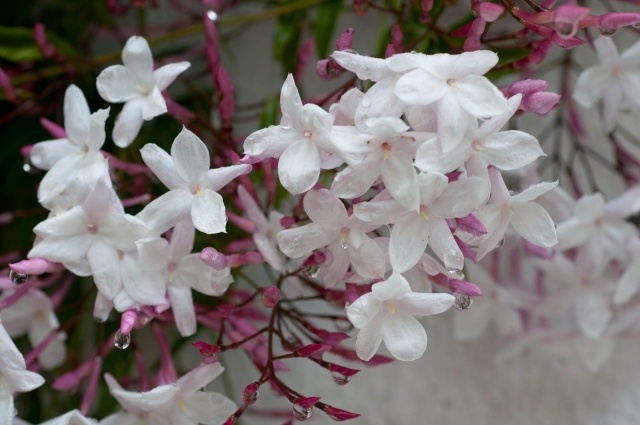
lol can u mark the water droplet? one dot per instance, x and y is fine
(500, 243)
(463, 302)
(453, 261)
(511, 193)
(212, 15)
(343, 244)
(366, 102)
(339, 378)
(564, 30)
(307, 134)
(18, 278)
(26, 167)
(607, 32)
(121, 340)
(353, 52)
(311, 272)
(285, 126)
(302, 413)
(250, 394)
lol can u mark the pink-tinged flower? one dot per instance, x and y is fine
(333, 227)
(179, 271)
(615, 80)
(181, 403)
(528, 218)
(387, 314)
(13, 376)
(137, 85)
(266, 229)
(303, 141)
(628, 284)
(498, 305)
(193, 186)
(426, 225)
(75, 162)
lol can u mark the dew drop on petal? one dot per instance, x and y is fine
(212, 15)
(353, 52)
(564, 29)
(607, 32)
(18, 278)
(339, 378)
(500, 243)
(366, 102)
(463, 302)
(452, 260)
(26, 167)
(121, 340)
(302, 413)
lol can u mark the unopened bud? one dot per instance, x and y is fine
(270, 296)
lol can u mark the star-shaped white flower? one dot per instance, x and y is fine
(139, 86)
(193, 186)
(387, 314)
(615, 80)
(180, 403)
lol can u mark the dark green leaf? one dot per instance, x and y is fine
(327, 15)
(270, 112)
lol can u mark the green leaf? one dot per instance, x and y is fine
(327, 16)
(18, 45)
(269, 114)
(287, 39)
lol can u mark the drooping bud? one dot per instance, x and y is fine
(270, 296)
(313, 349)
(209, 353)
(211, 257)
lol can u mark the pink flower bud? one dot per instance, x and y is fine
(252, 257)
(342, 370)
(338, 414)
(287, 222)
(490, 11)
(472, 225)
(7, 87)
(250, 393)
(313, 349)
(127, 321)
(609, 23)
(464, 287)
(213, 258)
(47, 49)
(35, 266)
(306, 402)
(270, 296)
(226, 104)
(567, 18)
(540, 103)
(345, 40)
(225, 310)
(427, 5)
(208, 352)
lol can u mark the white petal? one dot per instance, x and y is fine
(379, 101)
(367, 259)
(208, 408)
(218, 178)
(105, 267)
(628, 283)
(460, 198)
(362, 310)
(117, 84)
(354, 181)
(182, 239)
(299, 166)
(409, 239)
(97, 134)
(325, 209)
(393, 288)
(190, 157)
(533, 223)
(143, 286)
(208, 212)
(61, 249)
(444, 245)
(290, 102)
(418, 87)
(366, 68)
(400, 178)
(153, 253)
(128, 123)
(71, 222)
(592, 313)
(473, 63)
(300, 241)
(199, 377)
(136, 56)
(379, 212)
(431, 157)
(165, 75)
(76, 115)
(44, 155)
(193, 273)
(478, 96)
(510, 150)
(183, 310)
(153, 105)
(162, 166)
(334, 271)
(370, 337)
(404, 336)
(591, 85)
(533, 191)
(452, 121)
(164, 212)
(270, 142)
(424, 304)
(496, 220)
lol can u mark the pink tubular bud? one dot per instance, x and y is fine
(35, 266)
(213, 258)
(345, 40)
(616, 20)
(7, 86)
(313, 350)
(225, 310)
(287, 222)
(248, 159)
(127, 321)
(540, 103)
(338, 414)
(342, 370)
(250, 393)
(490, 11)
(464, 287)
(208, 352)
(427, 5)
(567, 18)
(252, 257)
(306, 402)
(270, 296)
(226, 103)
(472, 225)
(47, 49)
(526, 87)
(243, 223)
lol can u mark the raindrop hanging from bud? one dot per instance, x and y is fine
(339, 378)
(302, 413)
(121, 340)
(250, 394)
(311, 272)
(18, 278)
(500, 243)
(463, 302)
(607, 32)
